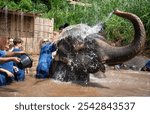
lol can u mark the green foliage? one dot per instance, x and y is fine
(13, 5)
(25, 4)
(63, 12)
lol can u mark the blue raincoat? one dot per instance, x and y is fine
(146, 67)
(45, 60)
(4, 79)
(20, 74)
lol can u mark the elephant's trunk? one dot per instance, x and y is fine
(114, 55)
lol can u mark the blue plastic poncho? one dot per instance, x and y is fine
(45, 60)
(20, 74)
(146, 67)
(4, 79)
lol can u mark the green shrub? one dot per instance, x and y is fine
(63, 12)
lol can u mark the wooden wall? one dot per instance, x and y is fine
(43, 28)
(30, 29)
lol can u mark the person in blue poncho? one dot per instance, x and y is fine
(9, 69)
(6, 63)
(6, 68)
(19, 72)
(146, 67)
(45, 59)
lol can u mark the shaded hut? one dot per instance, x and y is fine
(30, 27)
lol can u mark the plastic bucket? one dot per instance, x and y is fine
(26, 61)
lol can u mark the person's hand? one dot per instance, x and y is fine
(56, 57)
(27, 70)
(9, 74)
(15, 69)
(16, 59)
(54, 54)
(21, 52)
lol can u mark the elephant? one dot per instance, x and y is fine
(82, 50)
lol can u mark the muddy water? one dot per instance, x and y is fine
(116, 83)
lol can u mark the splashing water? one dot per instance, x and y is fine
(97, 28)
(82, 30)
(108, 17)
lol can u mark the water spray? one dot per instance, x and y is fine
(103, 23)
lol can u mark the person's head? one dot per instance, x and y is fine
(43, 41)
(18, 42)
(10, 41)
(4, 43)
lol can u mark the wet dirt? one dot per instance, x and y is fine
(116, 83)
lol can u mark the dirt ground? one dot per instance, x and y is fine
(116, 83)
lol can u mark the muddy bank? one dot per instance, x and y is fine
(116, 83)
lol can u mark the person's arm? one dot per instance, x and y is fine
(7, 59)
(11, 54)
(9, 74)
(54, 47)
